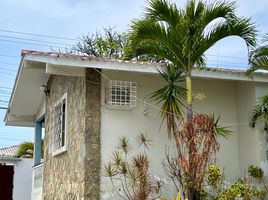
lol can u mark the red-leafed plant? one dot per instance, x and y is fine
(196, 145)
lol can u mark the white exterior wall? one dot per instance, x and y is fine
(261, 89)
(22, 178)
(221, 100)
(248, 137)
(116, 123)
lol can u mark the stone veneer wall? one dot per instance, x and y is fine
(75, 174)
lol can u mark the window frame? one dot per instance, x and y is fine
(121, 94)
(63, 148)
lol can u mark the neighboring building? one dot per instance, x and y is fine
(87, 103)
(15, 175)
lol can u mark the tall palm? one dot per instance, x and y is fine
(258, 58)
(180, 37)
(260, 113)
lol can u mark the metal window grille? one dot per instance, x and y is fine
(59, 124)
(121, 94)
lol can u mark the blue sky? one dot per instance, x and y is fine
(71, 19)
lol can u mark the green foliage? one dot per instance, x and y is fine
(182, 36)
(242, 189)
(255, 172)
(171, 97)
(260, 112)
(258, 58)
(110, 44)
(26, 150)
(214, 175)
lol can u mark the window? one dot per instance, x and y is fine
(59, 126)
(121, 94)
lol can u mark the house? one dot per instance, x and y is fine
(15, 175)
(86, 103)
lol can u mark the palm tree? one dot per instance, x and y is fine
(260, 113)
(258, 58)
(26, 149)
(180, 37)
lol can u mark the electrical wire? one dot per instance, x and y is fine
(8, 63)
(4, 92)
(5, 87)
(36, 44)
(33, 40)
(9, 74)
(39, 35)
(8, 56)
(5, 69)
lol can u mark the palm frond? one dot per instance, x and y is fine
(220, 131)
(258, 59)
(241, 27)
(171, 97)
(161, 10)
(260, 112)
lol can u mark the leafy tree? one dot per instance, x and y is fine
(258, 58)
(107, 45)
(110, 44)
(180, 37)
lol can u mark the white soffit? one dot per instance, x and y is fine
(26, 96)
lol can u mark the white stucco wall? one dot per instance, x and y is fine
(248, 137)
(221, 99)
(261, 89)
(22, 179)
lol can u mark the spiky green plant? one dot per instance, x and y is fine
(132, 170)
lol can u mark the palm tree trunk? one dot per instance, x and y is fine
(266, 140)
(189, 98)
(192, 193)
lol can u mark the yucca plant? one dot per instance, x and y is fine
(132, 171)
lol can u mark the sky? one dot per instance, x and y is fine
(72, 19)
